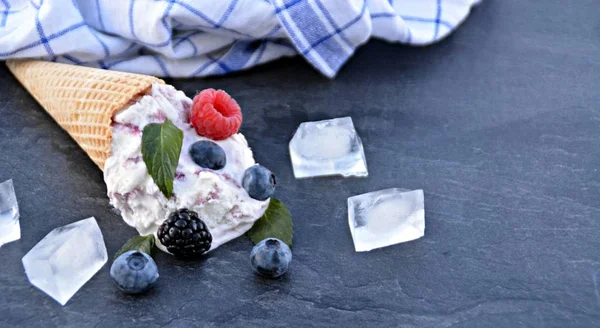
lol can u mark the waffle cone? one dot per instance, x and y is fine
(82, 100)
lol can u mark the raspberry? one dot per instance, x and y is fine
(215, 114)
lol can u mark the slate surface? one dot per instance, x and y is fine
(499, 124)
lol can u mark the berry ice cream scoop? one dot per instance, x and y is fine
(106, 112)
(209, 174)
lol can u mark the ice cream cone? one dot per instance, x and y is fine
(82, 100)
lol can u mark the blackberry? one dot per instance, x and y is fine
(184, 234)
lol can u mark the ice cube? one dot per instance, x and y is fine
(386, 217)
(66, 259)
(330, 147)
(10, 230)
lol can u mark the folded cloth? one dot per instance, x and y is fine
(188, 38)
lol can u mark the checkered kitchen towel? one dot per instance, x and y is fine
(187, 38)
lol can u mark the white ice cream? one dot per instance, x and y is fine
(217, 196)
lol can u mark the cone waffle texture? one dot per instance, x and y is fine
(82, 100)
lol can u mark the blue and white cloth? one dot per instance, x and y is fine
(188, 38)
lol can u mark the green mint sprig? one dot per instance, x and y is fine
(275, 223)
(144, 244)
(161, 147)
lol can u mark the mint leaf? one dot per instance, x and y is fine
(144, 244)
(161, 146)
(275, 223)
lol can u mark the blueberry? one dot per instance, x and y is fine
(208, 154)
(271, 257)
(259, 182)
(134, 272)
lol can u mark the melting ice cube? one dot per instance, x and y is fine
(10, 230)
(66, 259)
(386, 217)
(329, 147)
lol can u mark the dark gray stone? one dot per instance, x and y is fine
(499, 124)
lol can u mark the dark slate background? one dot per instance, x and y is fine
(499, 124)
